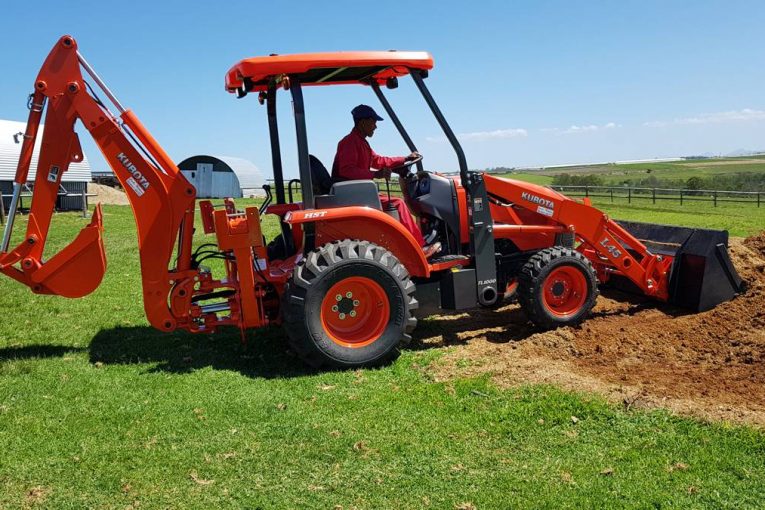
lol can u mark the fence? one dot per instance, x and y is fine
(83, 195)
(293, 187)
(629, 194)
(654, 194)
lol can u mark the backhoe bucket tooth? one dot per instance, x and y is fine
(702, 274)
(78, 269)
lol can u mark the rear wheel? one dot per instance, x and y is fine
(349, 304)
(557, 287)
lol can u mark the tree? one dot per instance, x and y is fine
(694, 183)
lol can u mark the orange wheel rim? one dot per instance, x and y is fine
(355, 312)
(564, 291)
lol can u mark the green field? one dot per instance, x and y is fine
(535, 178)
(99, 410)
(739, 220)
(676, 170)
(742, 173)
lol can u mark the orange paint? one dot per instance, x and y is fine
(355, 312)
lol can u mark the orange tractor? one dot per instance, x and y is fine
(343, 276)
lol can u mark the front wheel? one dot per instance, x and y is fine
(349, 304)
(557, 287)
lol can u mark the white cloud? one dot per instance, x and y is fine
(580, 129)
(497, 134)
(492, 135)
(747, 114)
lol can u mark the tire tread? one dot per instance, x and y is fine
(532, 276)
(305, 274)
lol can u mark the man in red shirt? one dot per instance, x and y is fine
(355, 159)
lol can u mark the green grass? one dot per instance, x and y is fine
(740, 220)
(533, 178)
(99, 410)
(666, 170)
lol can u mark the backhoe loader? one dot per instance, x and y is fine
(343, 276)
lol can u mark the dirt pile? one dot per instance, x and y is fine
(710, 364)
(107, 195)
(757, 243)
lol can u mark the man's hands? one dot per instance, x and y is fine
(409, 160)
(401, 170)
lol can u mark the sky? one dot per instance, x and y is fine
(533, 83)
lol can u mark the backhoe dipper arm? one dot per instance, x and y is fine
(161, 198)
(617, 249)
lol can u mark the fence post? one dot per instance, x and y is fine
(714, 198)
(587, 191)
(612, 194)
(758, 199)
(681, 197)
(629, 195)
(2, 207)
(654, 195)
(85, 202)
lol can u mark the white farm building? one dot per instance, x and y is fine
(220, 177)
(74, 180)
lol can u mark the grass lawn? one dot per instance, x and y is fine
(534, 178)
(739, 220)
(676, 170)
(99, 410)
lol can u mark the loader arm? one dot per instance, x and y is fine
(612, 249)
(162, 200)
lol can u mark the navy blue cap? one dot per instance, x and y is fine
(363, 111)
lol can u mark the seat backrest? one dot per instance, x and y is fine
(350, 193)
(320, 178)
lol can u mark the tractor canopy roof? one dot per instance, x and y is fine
(361, 67)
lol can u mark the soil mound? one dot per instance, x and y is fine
(757, 243)
(107, 195)
(709, 365)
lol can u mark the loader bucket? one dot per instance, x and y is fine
(78, 269)
(702, 274)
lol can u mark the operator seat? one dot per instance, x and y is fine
(328, 195)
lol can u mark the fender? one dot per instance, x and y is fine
(366, 224)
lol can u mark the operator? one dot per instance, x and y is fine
(355, 159)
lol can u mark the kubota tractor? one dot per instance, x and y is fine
(343, 276)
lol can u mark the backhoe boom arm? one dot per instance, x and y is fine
(161, 198)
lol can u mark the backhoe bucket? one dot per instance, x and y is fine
(78, 269)
(702, 274)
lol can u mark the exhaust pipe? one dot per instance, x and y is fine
(702, 274)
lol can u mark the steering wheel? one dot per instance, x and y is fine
(406, 166)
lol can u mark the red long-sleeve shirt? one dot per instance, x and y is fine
(355, 159)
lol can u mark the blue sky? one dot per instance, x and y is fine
(522, 83)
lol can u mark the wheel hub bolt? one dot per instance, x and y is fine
(334, 308)
(342, 316)
(558, 288)
(338, 297)
(353, 313)
(355, 302)
(349, 295)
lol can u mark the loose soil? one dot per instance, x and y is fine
(633, 351)
(107, 195)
